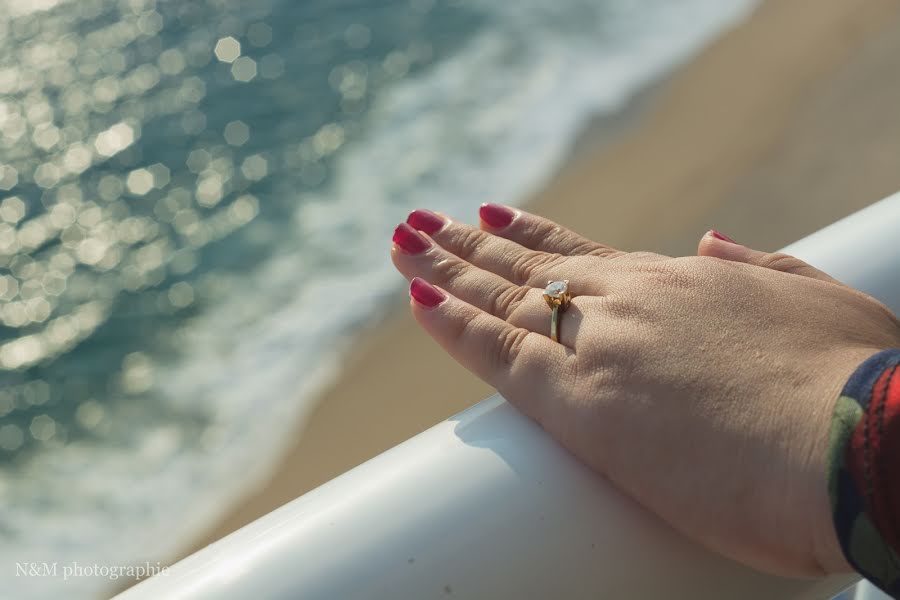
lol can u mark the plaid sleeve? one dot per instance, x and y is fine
(864, 470)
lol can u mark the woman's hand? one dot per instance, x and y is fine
(701, 387)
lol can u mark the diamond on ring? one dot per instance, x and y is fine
(557, 293)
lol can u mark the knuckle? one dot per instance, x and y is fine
(450, 269)
(533, 265)
(512, 342)
(592, 249)
(780, 261)
(466, 242)
(462, 327)
(584, 247)
(509, 299)
(539, 230)
(560, 237)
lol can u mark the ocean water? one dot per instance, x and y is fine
(196, 201)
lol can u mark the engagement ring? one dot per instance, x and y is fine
(557, 296)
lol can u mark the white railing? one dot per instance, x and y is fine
(485, 505)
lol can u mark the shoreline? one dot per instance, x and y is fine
(728, 125)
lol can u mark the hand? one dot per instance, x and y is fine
(701, 387)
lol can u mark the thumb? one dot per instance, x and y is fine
(718, 245)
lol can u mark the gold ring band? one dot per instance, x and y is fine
(557, 296)
(554, 324)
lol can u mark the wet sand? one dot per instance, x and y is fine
(783, 125)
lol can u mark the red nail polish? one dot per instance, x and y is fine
(425, 294)
(410, 240)
(425, 220)
(496, 216)
(721, 236)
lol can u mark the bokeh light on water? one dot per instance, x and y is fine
(147, 152)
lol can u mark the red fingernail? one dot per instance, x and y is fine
(425, 220)
(496, 215)
(721, 236)
(410, 240)
(425, 294)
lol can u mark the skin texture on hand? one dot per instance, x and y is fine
(703, 387)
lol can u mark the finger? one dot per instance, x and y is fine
(521, 306)
(538, 233)
(721, 246)
(525, 367)
(503, 257)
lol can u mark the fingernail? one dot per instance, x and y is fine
(721, 236)
(425, 220)
(409, 240)
(425, 294)
(496, 215)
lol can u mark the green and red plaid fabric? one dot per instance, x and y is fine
(864, 470)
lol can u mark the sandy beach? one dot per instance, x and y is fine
(785, 124)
